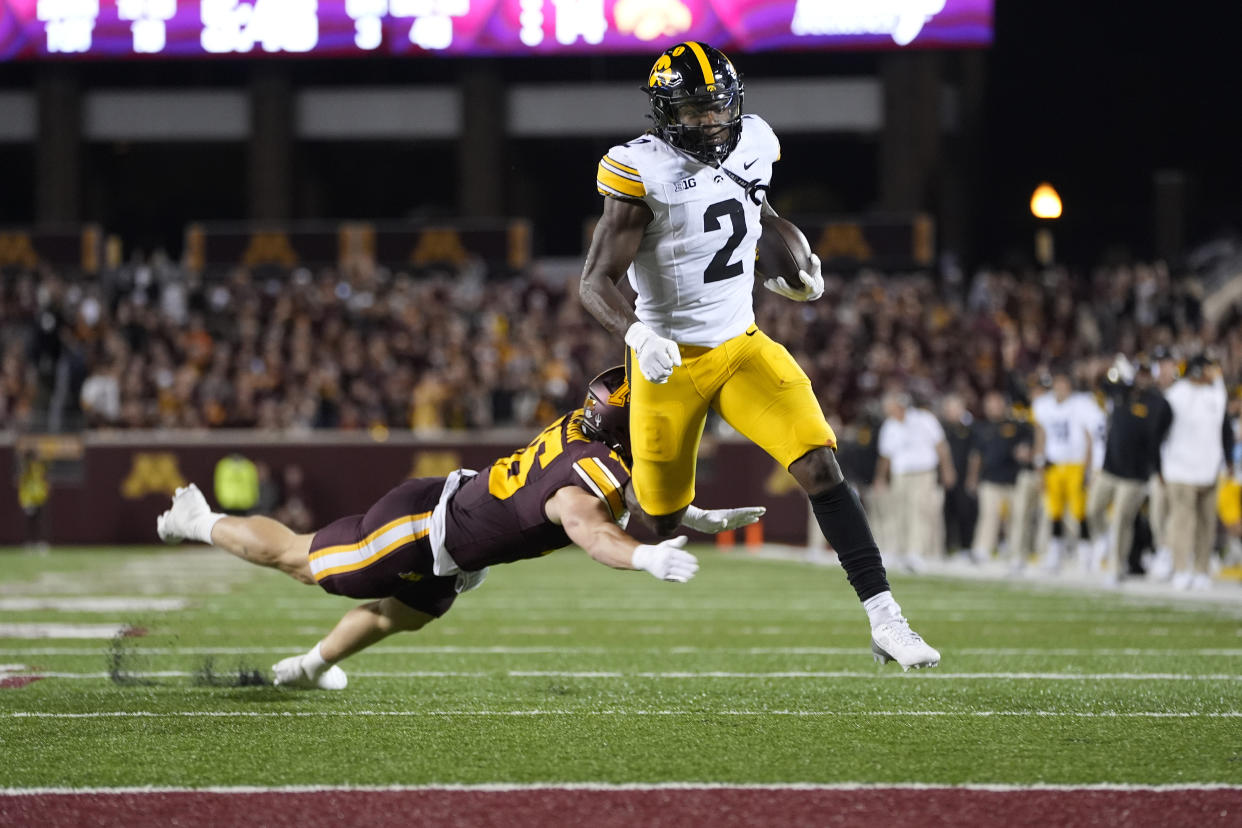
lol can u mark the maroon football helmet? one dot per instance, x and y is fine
(606, 411)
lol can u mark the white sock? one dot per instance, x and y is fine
(882, 608)
(313, 663)
(200, 528)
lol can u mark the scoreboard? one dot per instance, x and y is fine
(62, 29)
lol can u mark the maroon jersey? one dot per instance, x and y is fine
(498, 516)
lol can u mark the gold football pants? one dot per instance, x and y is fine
(755, 385)
(1063, 486)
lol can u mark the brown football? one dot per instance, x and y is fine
(782, 250)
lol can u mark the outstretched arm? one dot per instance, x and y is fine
(588, 523)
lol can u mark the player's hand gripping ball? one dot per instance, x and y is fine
(786, 260)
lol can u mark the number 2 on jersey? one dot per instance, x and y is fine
(720, 268)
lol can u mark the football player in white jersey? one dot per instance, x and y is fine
(1063, 440)
(681, 218)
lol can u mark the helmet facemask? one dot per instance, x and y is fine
(706, 125)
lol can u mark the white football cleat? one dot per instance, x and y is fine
(188, 504)
(1161, 568)
(290, 673)
(895, 641)
(912, 563)
(1051, 561)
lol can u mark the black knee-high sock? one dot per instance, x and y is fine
(844, 523)
(1058, 528)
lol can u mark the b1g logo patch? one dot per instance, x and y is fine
(685, 184)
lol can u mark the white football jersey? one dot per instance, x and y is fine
(695, 268)
(1097, 426)
(1066, 425)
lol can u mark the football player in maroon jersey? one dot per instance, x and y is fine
(430, 539)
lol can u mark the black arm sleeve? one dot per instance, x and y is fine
(1164, 419)
(1226, 439)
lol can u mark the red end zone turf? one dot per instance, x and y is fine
(658, 807)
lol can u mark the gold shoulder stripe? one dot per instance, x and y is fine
(609, 180)
(708, 76)
(606, 484)
(608, 159)
(609, 164)
(608, 191)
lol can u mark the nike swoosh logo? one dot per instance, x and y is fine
(748, 166)
(752, 333)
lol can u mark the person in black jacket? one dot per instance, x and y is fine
(961, 509)
(1137, 425)
(1000, 447)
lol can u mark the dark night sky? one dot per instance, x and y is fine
(1095, 97)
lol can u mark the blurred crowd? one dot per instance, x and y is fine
(150, 345)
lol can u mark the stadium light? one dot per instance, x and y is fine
(1045, 202)
(1046, 206)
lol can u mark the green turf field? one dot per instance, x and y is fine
(559, 670)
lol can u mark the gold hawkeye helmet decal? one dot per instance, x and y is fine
(660, 73)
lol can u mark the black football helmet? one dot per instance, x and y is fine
(696, 101)
(606, 411)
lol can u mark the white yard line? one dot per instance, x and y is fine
(52, 630)
(930, 674)
(314, 714)
(96, 604)
(502, 787)
(301, 647)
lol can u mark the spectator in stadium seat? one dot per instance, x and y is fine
(912, 449)
(100, 396)
(286, 329)
(1191, 459)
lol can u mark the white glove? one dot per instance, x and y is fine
(656, 355)
(667, 560)
(813, 284)
(720, 520)
(467, 581)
